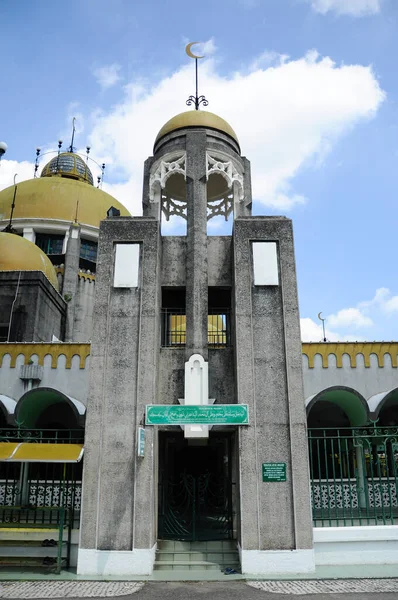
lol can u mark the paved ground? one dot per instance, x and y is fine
(360, 589)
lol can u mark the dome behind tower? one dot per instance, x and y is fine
(58, 198)
(68, 164)
(19, 254)
(197, 118)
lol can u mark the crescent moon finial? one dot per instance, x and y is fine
(195, 100)
(189, 52)
(323, 325)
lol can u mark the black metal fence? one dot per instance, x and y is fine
(29, 486)
(354, 476)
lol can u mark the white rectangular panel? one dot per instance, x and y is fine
(127, 264)
(265, 263)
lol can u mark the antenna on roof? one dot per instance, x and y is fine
(73, 134)
(196, 100)
(9, 228)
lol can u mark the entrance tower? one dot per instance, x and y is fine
(227, 304)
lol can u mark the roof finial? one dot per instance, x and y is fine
(73, 134)
(196, 100)
(323, 325)
(3, 149)
(9, 228)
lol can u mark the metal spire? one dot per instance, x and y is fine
(196, 100)
(73, 134)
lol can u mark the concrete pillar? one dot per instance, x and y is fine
(276, 524)
(196, 265)
(150, 207)
(119, 510)
(70, 279)
(243, 208)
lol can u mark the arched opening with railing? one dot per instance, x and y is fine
(41, 449)
(353, 457)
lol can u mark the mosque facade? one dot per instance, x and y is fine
(158, 409)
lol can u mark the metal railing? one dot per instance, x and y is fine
(51, 436)
(354, 476)
(33, 486)
(174, 327)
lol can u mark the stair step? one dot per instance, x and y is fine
(215, 557)
(189, 565)
(203, 551)
(30, 551)
(25, 561)
(199, 546)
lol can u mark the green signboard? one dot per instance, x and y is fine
(274, 471)
(216, 414)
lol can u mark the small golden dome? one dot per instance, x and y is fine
(197, 118)
(19, 254)
(58, 198)
(68, 164)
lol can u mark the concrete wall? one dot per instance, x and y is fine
(84, 309)
(174, 249)
(366, 380)
(72, 382)
(171, 375)
(38, 308)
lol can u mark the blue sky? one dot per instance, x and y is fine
(310, 87)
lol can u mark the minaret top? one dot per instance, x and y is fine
(197, 118)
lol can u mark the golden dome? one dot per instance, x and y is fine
(68, 164)
(197, 118)
(58, 198)
(19, 254)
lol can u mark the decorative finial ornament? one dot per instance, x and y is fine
(73, 134)
(196, 100)
(3, 149)
(323, 325)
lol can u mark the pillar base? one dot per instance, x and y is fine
(276, 562)
(114, 562)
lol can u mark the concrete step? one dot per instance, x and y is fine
(189, 565)
(29, 551)
(200, 546)
(28, 561)
(219, 557)
(196, 556)
(29, 543)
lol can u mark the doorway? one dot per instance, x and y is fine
(195, 487)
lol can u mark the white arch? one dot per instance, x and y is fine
(377, 401)
(8, 404)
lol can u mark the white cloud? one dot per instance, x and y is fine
(344, 324)
(355, 8)
(313, 332)
(350, 317)
(8, 168)
(108, 75)
(382, 300)
(287, 116)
